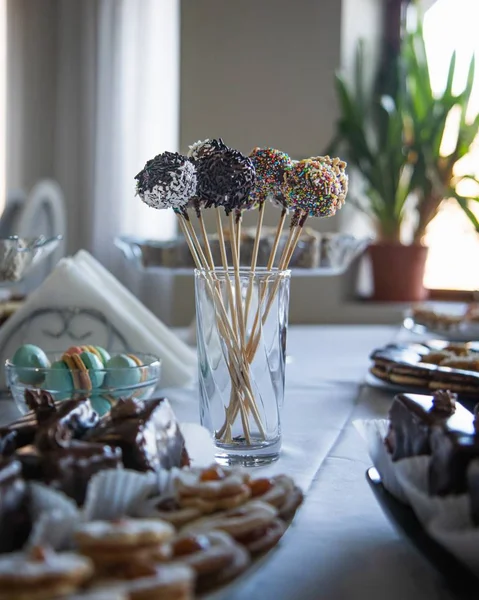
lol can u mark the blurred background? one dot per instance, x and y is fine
(91, 89)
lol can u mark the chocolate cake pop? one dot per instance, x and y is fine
(313, 188)
(225, 177)
(167, 181)
(270, 166)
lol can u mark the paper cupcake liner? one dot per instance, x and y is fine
(55, 517)
(199, 444)
(455, 531)
(113, 493)
(412, 474)
(373, 431)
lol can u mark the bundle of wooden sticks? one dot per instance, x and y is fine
(215, 176)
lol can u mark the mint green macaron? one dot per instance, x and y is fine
(30, 357)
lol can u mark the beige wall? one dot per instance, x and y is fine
(259, 73)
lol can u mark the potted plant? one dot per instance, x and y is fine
(393, 142)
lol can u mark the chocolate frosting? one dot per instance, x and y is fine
(147, 433)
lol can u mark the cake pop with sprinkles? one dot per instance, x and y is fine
(167, 181)
(270, 166)
(313, 188)
(339, 167)
(225, 177)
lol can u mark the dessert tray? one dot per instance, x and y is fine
(458, 578)
(432, 365)
(139, 511)
(426, 478)
(457, 322)
(316, 253)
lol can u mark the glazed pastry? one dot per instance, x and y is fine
(168, 509)
(42, 575)
(122, 541)
(147, 433)
(412, 418)
(15, 522)
(212, 489)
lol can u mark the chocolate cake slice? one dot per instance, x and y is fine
(451, 455)
(146, 431)
(413, 417)
(15, 522)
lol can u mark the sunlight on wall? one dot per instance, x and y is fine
(453, 243)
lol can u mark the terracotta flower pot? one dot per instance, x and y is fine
(398, 272)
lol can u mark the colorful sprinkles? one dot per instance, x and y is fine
(313, 188)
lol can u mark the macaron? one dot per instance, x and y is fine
(122, 370)
(30, 357)
(100, 404)
(86, 369)
(99, 352)
(58, 378)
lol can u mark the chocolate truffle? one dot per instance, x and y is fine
(146, 431)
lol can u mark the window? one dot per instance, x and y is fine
(452, 25)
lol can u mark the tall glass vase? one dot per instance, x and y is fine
(242, 321)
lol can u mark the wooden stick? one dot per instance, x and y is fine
(277, 237)
(238, 223)
(236, 367)
(285, 263)
(239, 299)
(254, 260)
(206, 242)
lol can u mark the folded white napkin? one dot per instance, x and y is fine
(82, 283)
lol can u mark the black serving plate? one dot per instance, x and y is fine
(458, 577)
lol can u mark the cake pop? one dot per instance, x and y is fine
(270, 166)
(167, 181)
(225, 177)
(339, 167)
(313, 188)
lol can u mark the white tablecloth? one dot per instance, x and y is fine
(340, 545)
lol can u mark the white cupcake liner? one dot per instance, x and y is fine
(373, 431)
(455, 531)
(113, 493)
(54, 516)
(412, 474)
(199, 444)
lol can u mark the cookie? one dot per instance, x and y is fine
(263, 539)
(42, 575)
(248, 524)
(146, 581)
(379, 373)
(213, 489)
(206, 553)
(273, 491)
(169, 510)
(110, 593)
(292, 502)
(116, 542)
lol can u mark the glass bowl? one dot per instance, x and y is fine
(111, 384)
(19, 255)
